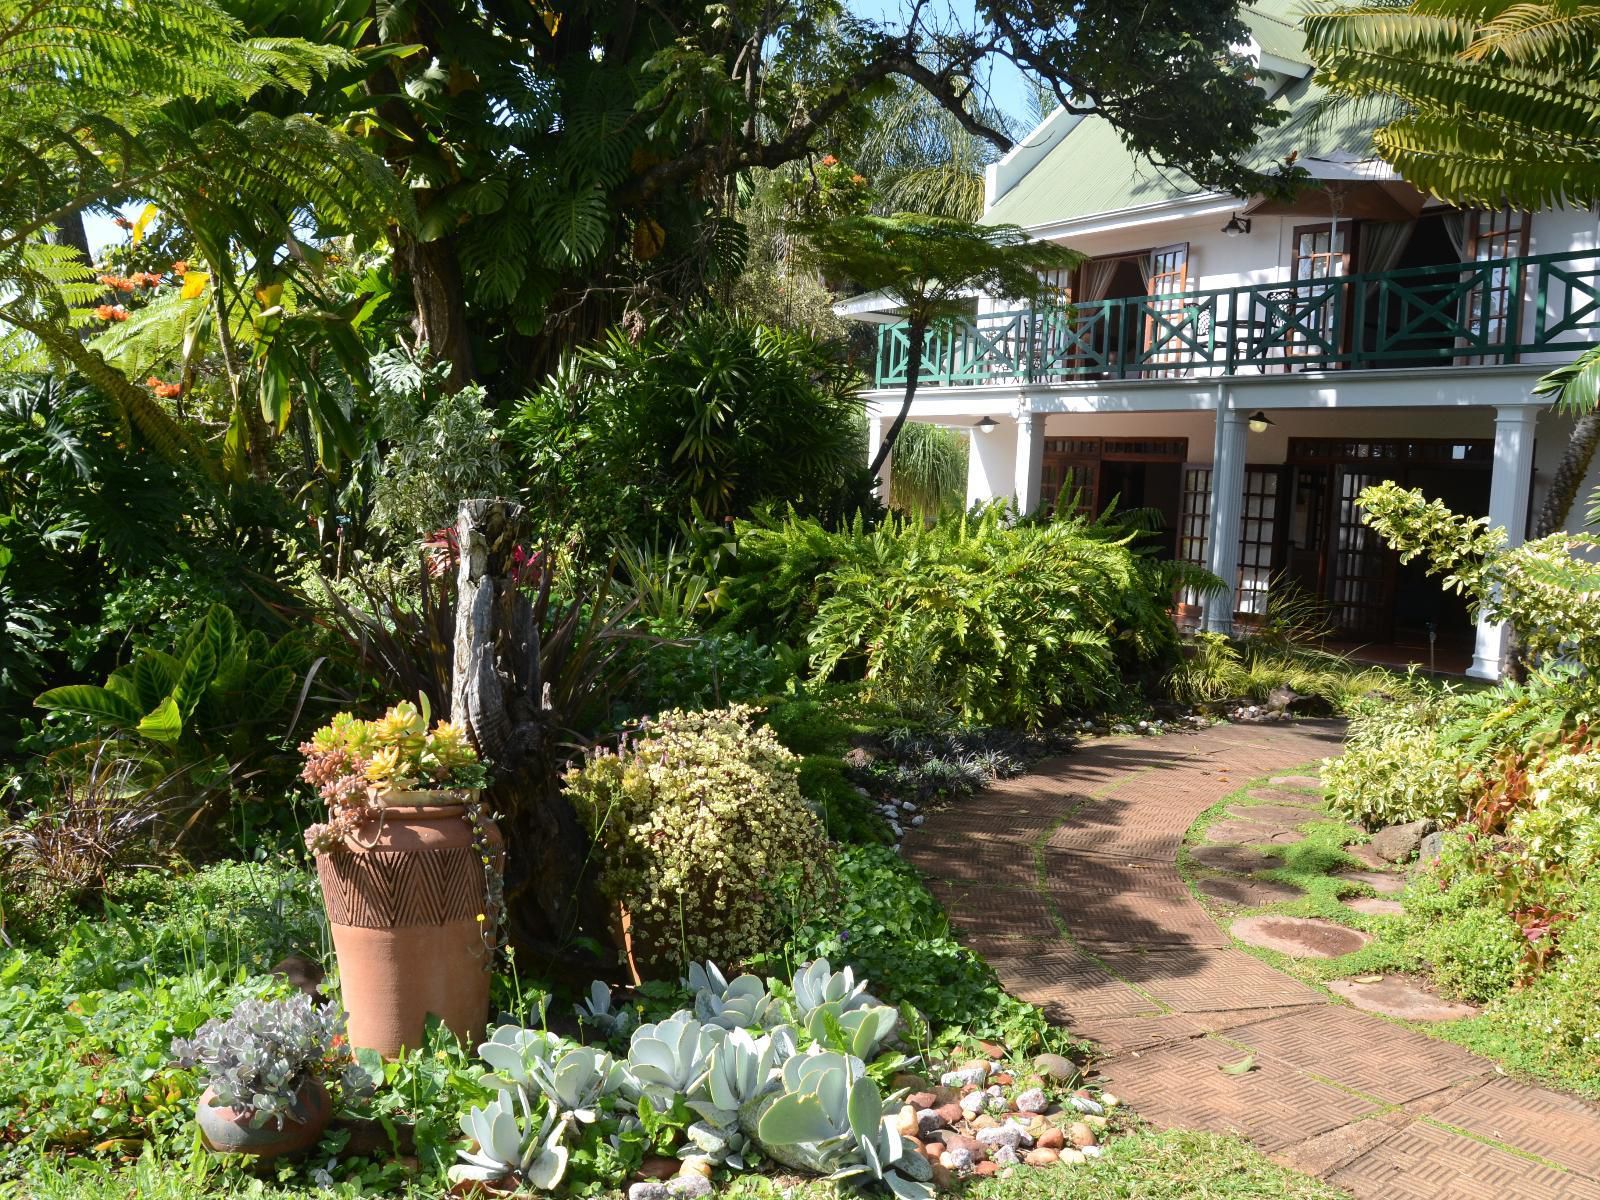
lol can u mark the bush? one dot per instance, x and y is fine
(1456, 924)
(1558, 835)
(847, 815)
(999, 623)
(1214, 668)
(697, 821)
(1398, 766)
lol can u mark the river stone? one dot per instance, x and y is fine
(1275, 814)
(1299, 800)
(1363, 852)
(1299, 937)
(1056, 1066)
(1399, 843)
(1001, 1135)
(1430, 848)
(689, 1185)
(1032, 1101)
(1234, 858)
(649, 1190)
(1247, 893)
(1385, 883)
(1397, 996)
(1374, 906)
(1004, 1156)
(1238, 831)
(913, 1164)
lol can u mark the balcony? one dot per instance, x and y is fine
(1460, 314)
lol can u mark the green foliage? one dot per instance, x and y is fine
(1490, 103)
(708, 417)
(1215, 668)
(220, 689)
(1397, 767)
(847, 815)
(928, 475)
(1454, 920)
(1000, 624)
(696, 821)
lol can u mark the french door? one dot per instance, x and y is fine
(1320, 252)
(1493, 306)
(1164, 312)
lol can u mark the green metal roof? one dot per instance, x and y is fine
(1090, 171)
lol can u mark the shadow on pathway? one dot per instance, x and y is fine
(1066, 880)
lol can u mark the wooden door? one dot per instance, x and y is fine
(1320, 252)
(1494, 306)
(1360, 567)
(1168, 280)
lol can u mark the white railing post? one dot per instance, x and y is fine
(1510, 486)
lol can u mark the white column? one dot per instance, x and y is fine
(1227, 514)
(1510, 488)
(877, 426)
(1030, 460)
(992, 463)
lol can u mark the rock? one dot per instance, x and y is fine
(950, 1114)
(708, 1139)
(697, 1162)
(1397, 996)
(1075, 1157)
(1004, 1078)
(1375, 906)
(944, 1179)
(1110, 1101)
(687, 1185)
(974, 1103)
(932, 1151)
(650, 1190)
(929, 1121)
(1039, 1157)
(976, 1076)
(1080, 1135)
(659, 1169)
(918, 819)
(1098, 1124)
(1385, 883)
(1056, 1067)
(302, 973)
(1398, 843)
(1032, 1101)
(906, 1123)
(1085, 1104)
(910, 1081)
(921, 1100)
(913, 1165)
(992, 1049)
(1092, 1151)
(986, 1168)
(1004, 1156)
(962, 1141)
(1051, 1139)
(983, 1121)
(981, 1065)
(957, 1160)
(944, 1095)
(1430, 848)
(997, 1136)
(1024, 1138)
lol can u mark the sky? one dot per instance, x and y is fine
(1006, 84)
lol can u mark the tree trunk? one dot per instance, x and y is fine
(1564, 485)
(496, 694)
(72, 233)
(915, 334)
(441, 307)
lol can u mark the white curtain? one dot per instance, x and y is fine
(1383, 242)
(1455, 227)
(1094, 278)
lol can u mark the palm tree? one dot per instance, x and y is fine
(1498, 103)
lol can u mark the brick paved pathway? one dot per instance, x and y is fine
(1066, 881)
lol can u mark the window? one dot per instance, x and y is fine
(1493, 306)
(1257, 532)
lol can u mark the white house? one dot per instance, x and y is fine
(1248, 367)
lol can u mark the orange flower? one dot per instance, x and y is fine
(144, 279)
(829, 160)
(116, 282)
(122, 222)
(167, 391)
(111, 312)
(858, 179)
(181, 267)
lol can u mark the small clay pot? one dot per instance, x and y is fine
(404, 901)
(233, 1130)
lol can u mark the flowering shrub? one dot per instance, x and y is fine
(355, 764)
(1559, 833)
(697, 820)
(263, 1054)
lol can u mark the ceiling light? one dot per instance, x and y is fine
(1259, 422)
(986, 425)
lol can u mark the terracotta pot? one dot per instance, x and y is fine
(404, 900)
(622, 938)
(232, 1130)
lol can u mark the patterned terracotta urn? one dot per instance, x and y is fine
(406, 900)
(234, 1130)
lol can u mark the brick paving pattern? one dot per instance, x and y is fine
(1066, 881)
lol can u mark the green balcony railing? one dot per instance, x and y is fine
(1491, 311)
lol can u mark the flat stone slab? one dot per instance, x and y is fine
(1363, 852)
(1397, 996)
(1385, 883)
(1299, 937)
(1247, 893)
(1375, 906)
(1238, 859)
(1237, 831)
(1305, 781)
(1284, 796)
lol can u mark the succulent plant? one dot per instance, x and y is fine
(575, 1082)
(864, 1030)
(531, 1150)
(260, 1056)
(830, 1117)
(600, 1014)
(817, 983)
(512, 1050)
(741, 1068)
(668, 1059)
(743, 1004)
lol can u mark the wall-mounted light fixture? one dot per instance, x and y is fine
(987, 425)
(1236, 225)
(1259, 422)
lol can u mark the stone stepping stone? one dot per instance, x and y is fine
(1239, 832)
(1247, 893)
(1397, 996)
(1238, 859)
(1299, 937)
(1375, 906)
(1365, 853)
(1305, 781)
(1301, 800)
(1275, 814)
(1385, 883)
